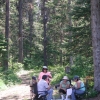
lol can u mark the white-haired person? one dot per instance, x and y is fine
(78, 88)
(45, 72)
(64, 85)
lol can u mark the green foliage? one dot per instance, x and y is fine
(9, 77)
(30, 63)
(3, 45)
(57, 73)
(81, 34)
(92, 93)
(82, 66)
(2, 85)
(16, 66)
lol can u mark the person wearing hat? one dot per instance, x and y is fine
(33, 89)
(78, 88)
(45, 72)
(64, 85)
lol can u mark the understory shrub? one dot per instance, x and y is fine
(9, 77)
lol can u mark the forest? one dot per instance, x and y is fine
(53, 33)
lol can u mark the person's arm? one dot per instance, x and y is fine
(49, 75)
(31, 88)
(60, 85)
(40, 76)
(78, 85)
(47, 86)
(68, 85)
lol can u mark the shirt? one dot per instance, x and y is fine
(64, 85)
(48, 74)
(42, 86)
(82, 87)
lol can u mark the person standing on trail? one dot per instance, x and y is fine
(45, 72)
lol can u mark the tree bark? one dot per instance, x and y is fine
(95, 27)
(6, 56)
(70, 34)
(20, 35)
(44, 15)
(30, 12)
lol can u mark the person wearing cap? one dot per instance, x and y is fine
(78, 88)
(64, 85)
(33, 88)
(45, 72)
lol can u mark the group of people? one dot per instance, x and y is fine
(77, 88)
(42, 85)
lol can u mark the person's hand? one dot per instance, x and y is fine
(50, 86)
(73, 87)
(49, 76)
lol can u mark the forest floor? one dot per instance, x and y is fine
(22, 91)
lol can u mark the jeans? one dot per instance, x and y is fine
(74, 91)
(50, 93)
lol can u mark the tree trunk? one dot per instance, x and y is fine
(20, 35)
(30, 12)
(95, 26)
(6, 56)
(44, 14)
(70, 34)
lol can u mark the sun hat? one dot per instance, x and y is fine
(45, 67)
(65, 77)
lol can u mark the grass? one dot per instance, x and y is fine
(2, 85)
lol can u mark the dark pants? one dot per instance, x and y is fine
(36, 97)
(62, 91)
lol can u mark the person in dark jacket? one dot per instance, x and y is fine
(33, 88)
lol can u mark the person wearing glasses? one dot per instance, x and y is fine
(45, 72)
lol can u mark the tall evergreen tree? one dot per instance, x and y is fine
(7, 35)
(30, 13)
(20, 34)
(44, 13)
(95, 26)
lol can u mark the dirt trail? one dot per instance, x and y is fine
(18, 92)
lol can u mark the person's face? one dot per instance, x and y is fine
(75, 80)
(45, 70)
(64, 80)
(34, 81)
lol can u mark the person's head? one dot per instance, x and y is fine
(44, 69)
(76, 78)
(65, 78)
(34, 79)
(44, 77)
